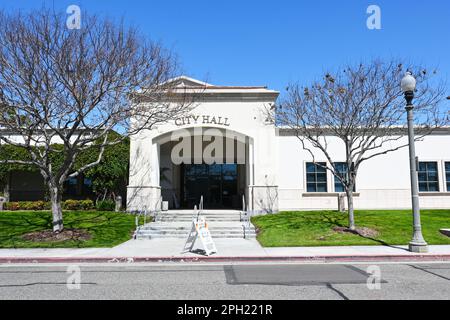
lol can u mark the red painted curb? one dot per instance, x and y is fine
(334, 258)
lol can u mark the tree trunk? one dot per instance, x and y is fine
(55, 199)
(351, 216)
(6, 187)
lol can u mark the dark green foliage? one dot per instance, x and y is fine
(109, 177)
(8, 152)
(105, 205)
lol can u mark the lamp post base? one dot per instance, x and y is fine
(418, 247)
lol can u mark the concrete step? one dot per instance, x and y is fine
(203, 214)
(184, 236)
(188, 225)
(168, 229)
(178, 224)
(188, 216)
(237, 214)
(189, 220)
(186, 231)
(171, 236)
(189, 229)
(207, 216)
(181, 236)
(182, 232)
(204, 211)
(148, 237)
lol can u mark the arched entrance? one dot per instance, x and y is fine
(204, 161)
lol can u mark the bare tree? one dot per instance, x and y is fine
(75, 87)
(363, 107)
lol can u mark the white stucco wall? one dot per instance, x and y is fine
(382, 182)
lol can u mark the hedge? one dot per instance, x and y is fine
(27, 205)
(78, 205)
(45, 205)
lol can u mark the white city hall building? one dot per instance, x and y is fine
(265, 164)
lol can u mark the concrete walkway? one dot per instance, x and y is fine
(228, 250)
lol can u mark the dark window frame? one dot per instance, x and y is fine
(447, 174)
(336, 179)
(424, 172)
(319, 171)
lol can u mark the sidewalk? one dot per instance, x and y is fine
(229, 250)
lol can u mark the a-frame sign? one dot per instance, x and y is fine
(199, 229)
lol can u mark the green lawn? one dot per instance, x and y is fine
(107, 229)
(315, 228)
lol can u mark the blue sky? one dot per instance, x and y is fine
(276, 42)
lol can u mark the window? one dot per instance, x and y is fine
(428, 176)
(87, 182)
(316, 177)
(77, 187)
(341, 168)
(71, 186)
(447, 175)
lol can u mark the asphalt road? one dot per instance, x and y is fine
(237, 281)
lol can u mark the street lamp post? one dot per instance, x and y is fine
(417, 244)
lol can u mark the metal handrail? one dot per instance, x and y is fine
(194, 213)
(200, 207)
(246, 219)
(137, 215)
(136, 220)
(145, 213)
(243, 207)
(157, 211)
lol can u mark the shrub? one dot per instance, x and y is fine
(36, 205)
(27, 205)
(87, 204)
(105, 205)
(11, 206)
(78, 204)
(42, 205)
(70, 204)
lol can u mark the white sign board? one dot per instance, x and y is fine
(205, 236)
(200, 229)
(189, 245)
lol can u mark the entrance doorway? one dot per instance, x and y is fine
(217, 183)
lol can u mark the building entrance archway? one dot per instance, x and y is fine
(222, 183)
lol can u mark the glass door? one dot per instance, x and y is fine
(217, 183)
